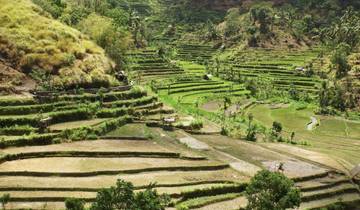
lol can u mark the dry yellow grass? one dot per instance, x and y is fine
(31, 39)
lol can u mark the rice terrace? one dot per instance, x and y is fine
(178, 105)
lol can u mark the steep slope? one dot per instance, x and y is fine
(217, 4)
(35, 44)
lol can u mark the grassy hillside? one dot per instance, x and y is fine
(37, 45)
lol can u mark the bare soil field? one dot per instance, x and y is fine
(306, 154)
(212, 106)
(141, 179)
(76, 124)
(263, 157)
(98, 145)
(36, 205)
(70, 164)
(228, 205)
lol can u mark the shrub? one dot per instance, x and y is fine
(107, 113)
(19, 120)
(17, 102)
(92, 133)
(339, 60)
(213, 191)
(107, 97)
(81, 133)
(17, 130)
(31, 109)
(133, 102)
(4, 199)
(33, 139)
(74, 204)
(196, 124)
(251, 133)
(224, 131)
(71, 115)
(276, 127)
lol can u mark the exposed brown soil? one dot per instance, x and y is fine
(230, 204)
(79, 164)
(98, 145)
(13, 81)
(212, 106)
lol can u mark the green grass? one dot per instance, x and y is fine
(129, 130)
(278, 65)
(203, 201)
(335, 136)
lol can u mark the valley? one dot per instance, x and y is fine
(94, 93)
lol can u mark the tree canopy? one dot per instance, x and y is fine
(272, 191)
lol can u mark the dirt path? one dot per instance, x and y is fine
(194, 143)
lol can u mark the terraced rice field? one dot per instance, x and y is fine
(316, 175)
(39, 175)
(129, 130)
(147, 65)
(284, 69)
(336, 137)
(195, 89)
(195, 52)
(46, 175)
(40, 120)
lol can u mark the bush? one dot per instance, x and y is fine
(17, 102)
(277, 127)
(31, 109)
(77, 134)
(23, 120)
(92, 133)
(197, 124)
(133, 102)
(34, 139)
(4, 199)
(108, 113)
(213, 191)
(251, 133)
(107, 97)
(17, 130)
(339, 60)
(71, 115)
(74, 204)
